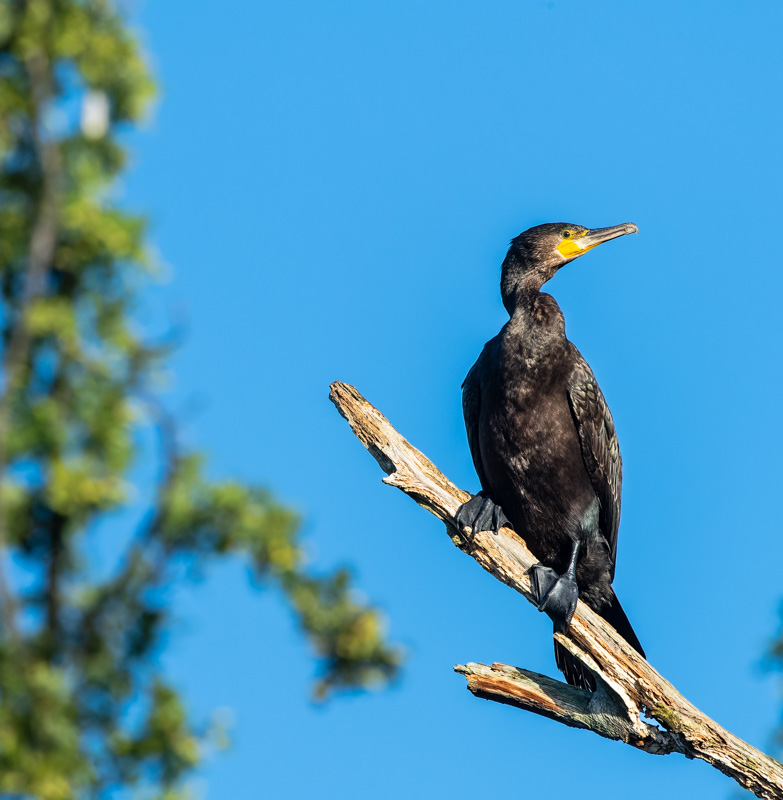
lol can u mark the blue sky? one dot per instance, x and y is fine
(334, 185)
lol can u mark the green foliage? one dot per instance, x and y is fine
(83, 710)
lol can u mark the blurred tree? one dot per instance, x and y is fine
(83, 709)
(776, 663)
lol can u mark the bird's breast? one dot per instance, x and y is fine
(529, 443)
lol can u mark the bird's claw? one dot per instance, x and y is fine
(480, 513)
(555, 594)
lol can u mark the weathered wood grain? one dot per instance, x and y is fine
(630, 691)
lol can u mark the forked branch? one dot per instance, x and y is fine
(630, 691)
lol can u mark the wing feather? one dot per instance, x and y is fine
(600, 448)
(471, 410)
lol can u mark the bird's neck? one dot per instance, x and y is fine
(521, 281)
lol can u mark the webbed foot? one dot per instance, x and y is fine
(481, 514)
(555, 594)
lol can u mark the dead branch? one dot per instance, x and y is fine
(628, 687)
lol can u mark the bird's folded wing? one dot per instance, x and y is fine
(600, 449)
(471, 410)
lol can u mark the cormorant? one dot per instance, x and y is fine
(543, 441)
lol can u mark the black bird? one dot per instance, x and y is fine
(543, 441)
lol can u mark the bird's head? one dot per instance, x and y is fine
(537, 254)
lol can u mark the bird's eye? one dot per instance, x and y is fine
(566, 234)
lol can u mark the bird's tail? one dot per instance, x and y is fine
(574, 671)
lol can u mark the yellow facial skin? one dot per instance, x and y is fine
(568, 248)
(577, 240)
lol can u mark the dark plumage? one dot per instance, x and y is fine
(543, 441)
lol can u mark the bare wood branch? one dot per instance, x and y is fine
(630, 691)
